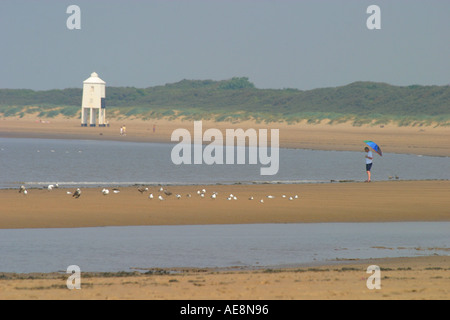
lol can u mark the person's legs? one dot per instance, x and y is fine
(368, 168)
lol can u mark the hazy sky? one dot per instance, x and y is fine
(277, 44)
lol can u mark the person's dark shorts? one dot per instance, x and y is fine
(368, 166)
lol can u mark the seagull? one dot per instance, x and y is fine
(284, 196)
(213, 196)
(77, 193)
(22, 189)
(160, 198)
(167, 192)
(234, 198)
(116, 190)
(105, 191)
(188, 195)
(290, 198)
(142, 190)
(229, 198)
(198, 192)
(68, 192)
(296, 197)
(270, 197)
(25, 192)
(203, 191)
(50, 187)
(251, 198)
(150, 196)
(202, 195)
(178, 196)
(161, 189)
(262, 201)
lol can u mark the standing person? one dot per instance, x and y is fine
(121, 131)
(154, 128)
(369, 159)
(124, 130)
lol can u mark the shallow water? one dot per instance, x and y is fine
(39, 162)
(253, 245)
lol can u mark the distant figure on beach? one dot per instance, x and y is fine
(124, 130)
(369, 158)
(154, 128)
(121, 131)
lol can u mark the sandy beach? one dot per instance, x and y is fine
(402, 278)
(327, 202)
(426, 140)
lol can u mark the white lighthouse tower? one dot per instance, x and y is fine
(93, 99)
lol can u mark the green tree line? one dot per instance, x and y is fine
(238, 98)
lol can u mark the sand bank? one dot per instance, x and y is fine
(415, 140)
(401, 278)
(385, 201)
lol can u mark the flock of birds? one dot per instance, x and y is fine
(76, 194)
(161, 195)
(202, 194)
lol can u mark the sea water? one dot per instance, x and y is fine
(84, 163)
(240, 245)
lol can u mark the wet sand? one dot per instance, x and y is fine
(425, 140)
(401, 278)
(327, 202)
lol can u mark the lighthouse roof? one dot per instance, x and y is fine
(94, 79)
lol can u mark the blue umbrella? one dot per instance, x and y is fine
(374, 146)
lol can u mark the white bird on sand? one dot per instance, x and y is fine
(270, 197)
(251, 198)
(202, 195)
(229, 198)
(116, 191)
(199, 192)
(22, 189)
(161, 189)
(262, 201)
(167, 192)
(213, 196)
(150, 196)
(290, 198)
(203, 191)
(235, 198)
(105, 191)
(283, 196)
(296, 197)
(25, 192)
(68, 192)
(77, 193)
(188, 195)
(160, 198)
(178, 196)
(50, 187)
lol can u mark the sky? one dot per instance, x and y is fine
(276, 44)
